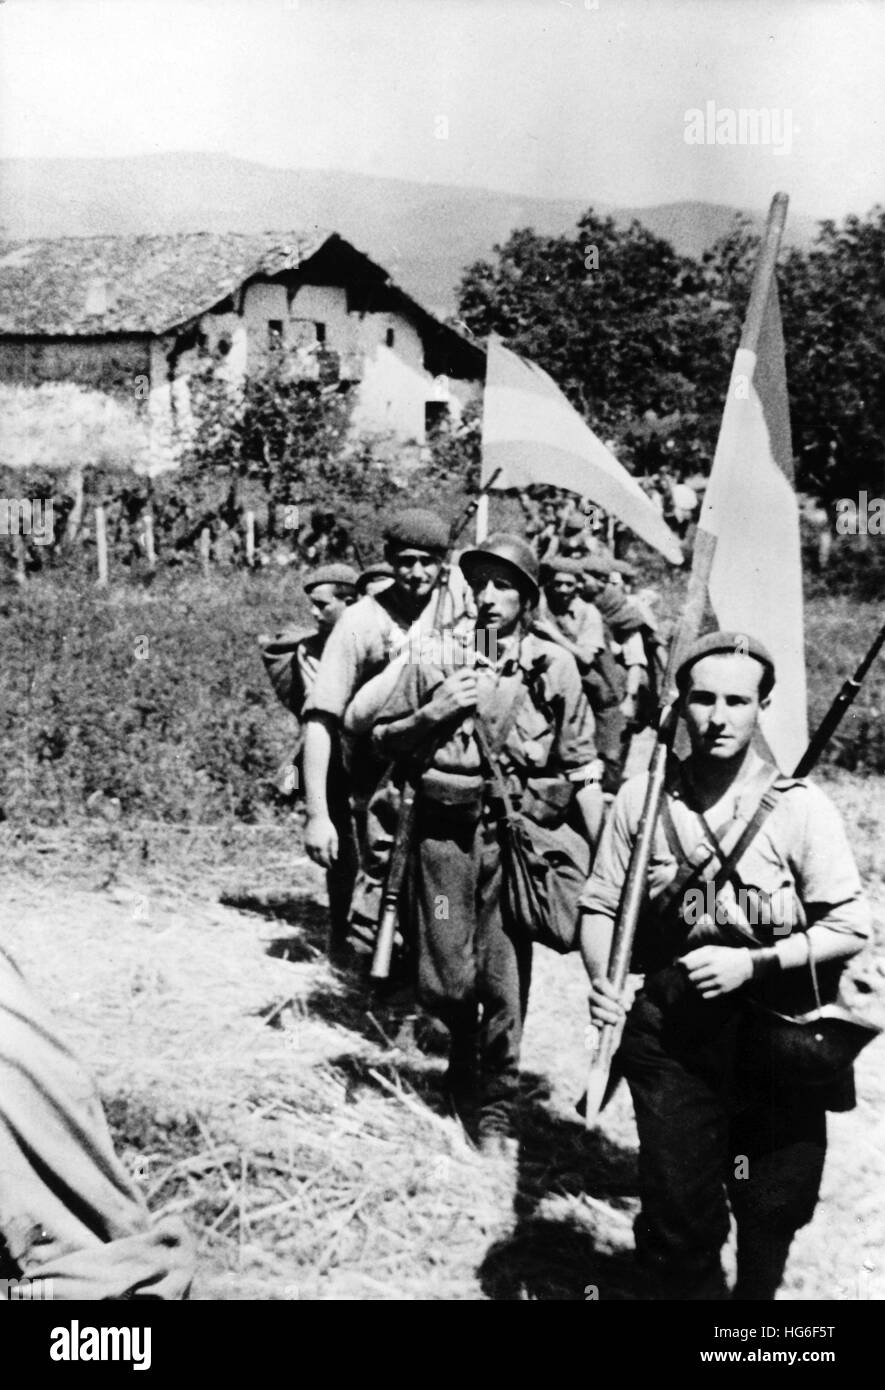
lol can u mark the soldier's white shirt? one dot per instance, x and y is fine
(801, 849)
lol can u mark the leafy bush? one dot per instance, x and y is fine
(157, 698)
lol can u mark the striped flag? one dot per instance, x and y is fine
(534, 435)
(751, 515)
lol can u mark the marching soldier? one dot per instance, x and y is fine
(473, 963)
(710, 1118)
(292, 659)
(566, 617)
(361, 644)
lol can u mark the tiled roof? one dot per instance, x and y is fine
(134, 284)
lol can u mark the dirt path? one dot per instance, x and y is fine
(305, 1139)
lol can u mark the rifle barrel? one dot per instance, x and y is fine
(399, 853)
(834, 715)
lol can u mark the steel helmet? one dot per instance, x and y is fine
(512, 551)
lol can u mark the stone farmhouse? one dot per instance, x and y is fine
(133, 316)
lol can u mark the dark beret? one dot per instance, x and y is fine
(378, 569)
(417, 529)
(561, 564)
(599, 564)
(727, 644)
(330, 574)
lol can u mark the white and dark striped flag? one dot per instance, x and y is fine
(534, 435)
(751, 514)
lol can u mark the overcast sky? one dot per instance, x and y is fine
(584, 100)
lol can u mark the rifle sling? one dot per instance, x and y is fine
(689, 868)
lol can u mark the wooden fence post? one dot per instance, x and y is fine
(250, 539)
(149, 548)
(205, 548)
(101, 545)
(21, 572)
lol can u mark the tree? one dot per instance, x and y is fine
(632, 332)
(833, 307)
(284, 433)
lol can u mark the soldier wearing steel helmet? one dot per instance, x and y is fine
(473, 965)
(715, 1127)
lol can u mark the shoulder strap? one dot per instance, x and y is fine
(692, 864)
(490, 758)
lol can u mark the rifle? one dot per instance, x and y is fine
(834, 715)
(405, 825)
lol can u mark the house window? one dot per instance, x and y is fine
(436, 413)
(389, 338)
(321, 332)
(274, 333)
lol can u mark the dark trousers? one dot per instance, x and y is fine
(473, 972)
(611, 735)
(341, 877)
(704, 1140)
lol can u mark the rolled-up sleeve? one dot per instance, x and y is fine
(340, 665)
(827, 877)
(407, 721)
(602, 893)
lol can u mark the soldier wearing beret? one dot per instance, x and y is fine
(473, 964)
(713, 1125)
(567, 617)
(292, 657)
(292, 660)
(365, 639)
(374, 578)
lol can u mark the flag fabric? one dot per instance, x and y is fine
(535, 436)
(751, 514)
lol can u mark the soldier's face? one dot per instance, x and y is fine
(721, 705)
(414, 572)
(326, 606)
(498, 601)
(561, 590)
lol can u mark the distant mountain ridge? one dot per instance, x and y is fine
(424, 234)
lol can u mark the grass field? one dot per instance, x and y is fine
(298, 1125)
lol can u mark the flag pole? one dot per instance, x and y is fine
(691, 618)
(482, 518)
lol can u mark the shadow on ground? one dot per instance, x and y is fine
(555, 1261)
(306, 920)
(541, 1258)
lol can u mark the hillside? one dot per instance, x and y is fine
(424, 233)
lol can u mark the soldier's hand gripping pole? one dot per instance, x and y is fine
(405, 825)
(628, 914)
